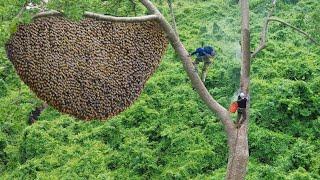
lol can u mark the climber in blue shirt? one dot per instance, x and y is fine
(204, 54)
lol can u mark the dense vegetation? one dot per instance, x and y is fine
(168, 132)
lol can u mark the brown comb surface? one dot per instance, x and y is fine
(93, 69)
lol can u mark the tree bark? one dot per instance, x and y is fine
(238, 142)
(47, 13)
(121, 19)
(238, 154)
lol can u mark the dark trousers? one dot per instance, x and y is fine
(206, 64)
(242, 115)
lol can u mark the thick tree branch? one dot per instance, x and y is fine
(102, 17)
(48, 13)
(121, 19)
(188, 66)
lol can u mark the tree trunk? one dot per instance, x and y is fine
(238, 141)
(238, 154)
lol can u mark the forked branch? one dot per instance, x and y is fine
(263, 35)
(264, 32)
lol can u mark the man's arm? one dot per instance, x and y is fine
(193, 53)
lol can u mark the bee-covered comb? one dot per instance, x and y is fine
(92, 69)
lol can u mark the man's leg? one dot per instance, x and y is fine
(196, 63)
(241, 117)
(239, 114)
(205, 69)
(244, 116)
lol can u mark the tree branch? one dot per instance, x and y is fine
(189, 68)
(295, 28)
(102, 17)
(263, 36)
(121, 19)
(264, 32)
(173, 18)
(47, 13)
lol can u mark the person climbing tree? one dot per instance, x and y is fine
(242, 104)
(204, 54)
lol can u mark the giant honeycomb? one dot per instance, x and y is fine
(92, 69)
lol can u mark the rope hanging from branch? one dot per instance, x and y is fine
(93, 69)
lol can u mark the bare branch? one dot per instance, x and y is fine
(295, 28)
(263, 36)
(48, 13)
(264, 32)
(173, 18)
(122, 19)
(189, 68)
(102, 17)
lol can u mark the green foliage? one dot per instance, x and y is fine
(3, 88)
(266, 146)
(3, 155)
(74, 9)
(301, 156)
(169, 133)
(264, 172)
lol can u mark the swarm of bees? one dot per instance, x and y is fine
(93, 69)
